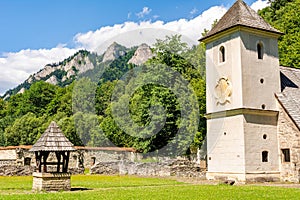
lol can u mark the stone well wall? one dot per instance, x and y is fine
(51, 182)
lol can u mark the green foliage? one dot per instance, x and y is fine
(284, 15)
(171, 44)
(84, 108)
(25, 130)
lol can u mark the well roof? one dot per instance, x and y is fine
(240, 14)
(53, 140)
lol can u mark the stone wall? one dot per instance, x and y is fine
(288, 136)
(179, 168)
(13, 170)
(106, 160)
(51, 182)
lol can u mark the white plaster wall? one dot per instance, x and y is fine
(225, 153)
(8, 154)
(230, 69)
(254, 129)
(255, 93)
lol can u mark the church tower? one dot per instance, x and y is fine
(242, 76)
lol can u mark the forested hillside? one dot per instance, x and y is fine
(84, 108)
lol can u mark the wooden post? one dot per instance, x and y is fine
(45, 156)
(67, 160)
(58, 156)
(38, 161)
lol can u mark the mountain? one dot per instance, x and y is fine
(141, 55)
(81, 63)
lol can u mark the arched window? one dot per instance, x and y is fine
(260, 51)
(222, 54)
(264, 156)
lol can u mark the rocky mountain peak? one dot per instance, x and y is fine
(141, 55)
(113, 52)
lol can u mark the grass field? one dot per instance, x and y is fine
(130, 187)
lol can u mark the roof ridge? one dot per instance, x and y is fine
(240, 14)
(53, 139)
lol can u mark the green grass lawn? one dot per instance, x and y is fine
(131, 187)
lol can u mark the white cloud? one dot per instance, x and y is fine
(144, 12)
(155, 16)
(258, 5)
(16, 67)
(135, 33)
(129, 15)
(194, 11)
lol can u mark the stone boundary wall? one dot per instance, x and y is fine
(178, 168)
(13, 170)
(18, 161)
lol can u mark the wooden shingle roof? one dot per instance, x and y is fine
(240, 14)
(53, 140)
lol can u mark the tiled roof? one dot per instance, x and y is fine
(289, 97)
(240, 14)
(53, 140)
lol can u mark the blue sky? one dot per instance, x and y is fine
(44, 24)
(36, 32)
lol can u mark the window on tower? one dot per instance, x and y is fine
(222, 54)
(264, 156)
(260, 51)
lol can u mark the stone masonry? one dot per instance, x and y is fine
(51, 181)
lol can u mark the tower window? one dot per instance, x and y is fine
(260, 51)
(222, 54)
(265, 136)
(286, 155)
(264, 156)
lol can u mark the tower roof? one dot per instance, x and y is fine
(53, 139)
(240, 14)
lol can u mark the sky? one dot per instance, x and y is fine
(34, 33)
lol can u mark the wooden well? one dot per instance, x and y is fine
(52, 141)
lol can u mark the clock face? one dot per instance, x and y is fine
(223, 91)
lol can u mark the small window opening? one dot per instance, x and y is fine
(286, 155)
(27, 161)
(260, 51)
(222, 54)
(265, 136)
(264, 156)
(225, 133)
(262, 80)
(263, 106)
(93, 160)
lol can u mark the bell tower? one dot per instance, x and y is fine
(242, 76)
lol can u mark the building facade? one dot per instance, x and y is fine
(250, 134)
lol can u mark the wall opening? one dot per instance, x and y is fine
(286, 155)
(260, 51)
(265, 136)
(27, 161)
(222, 54)
(264, 156)
(93, 160)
